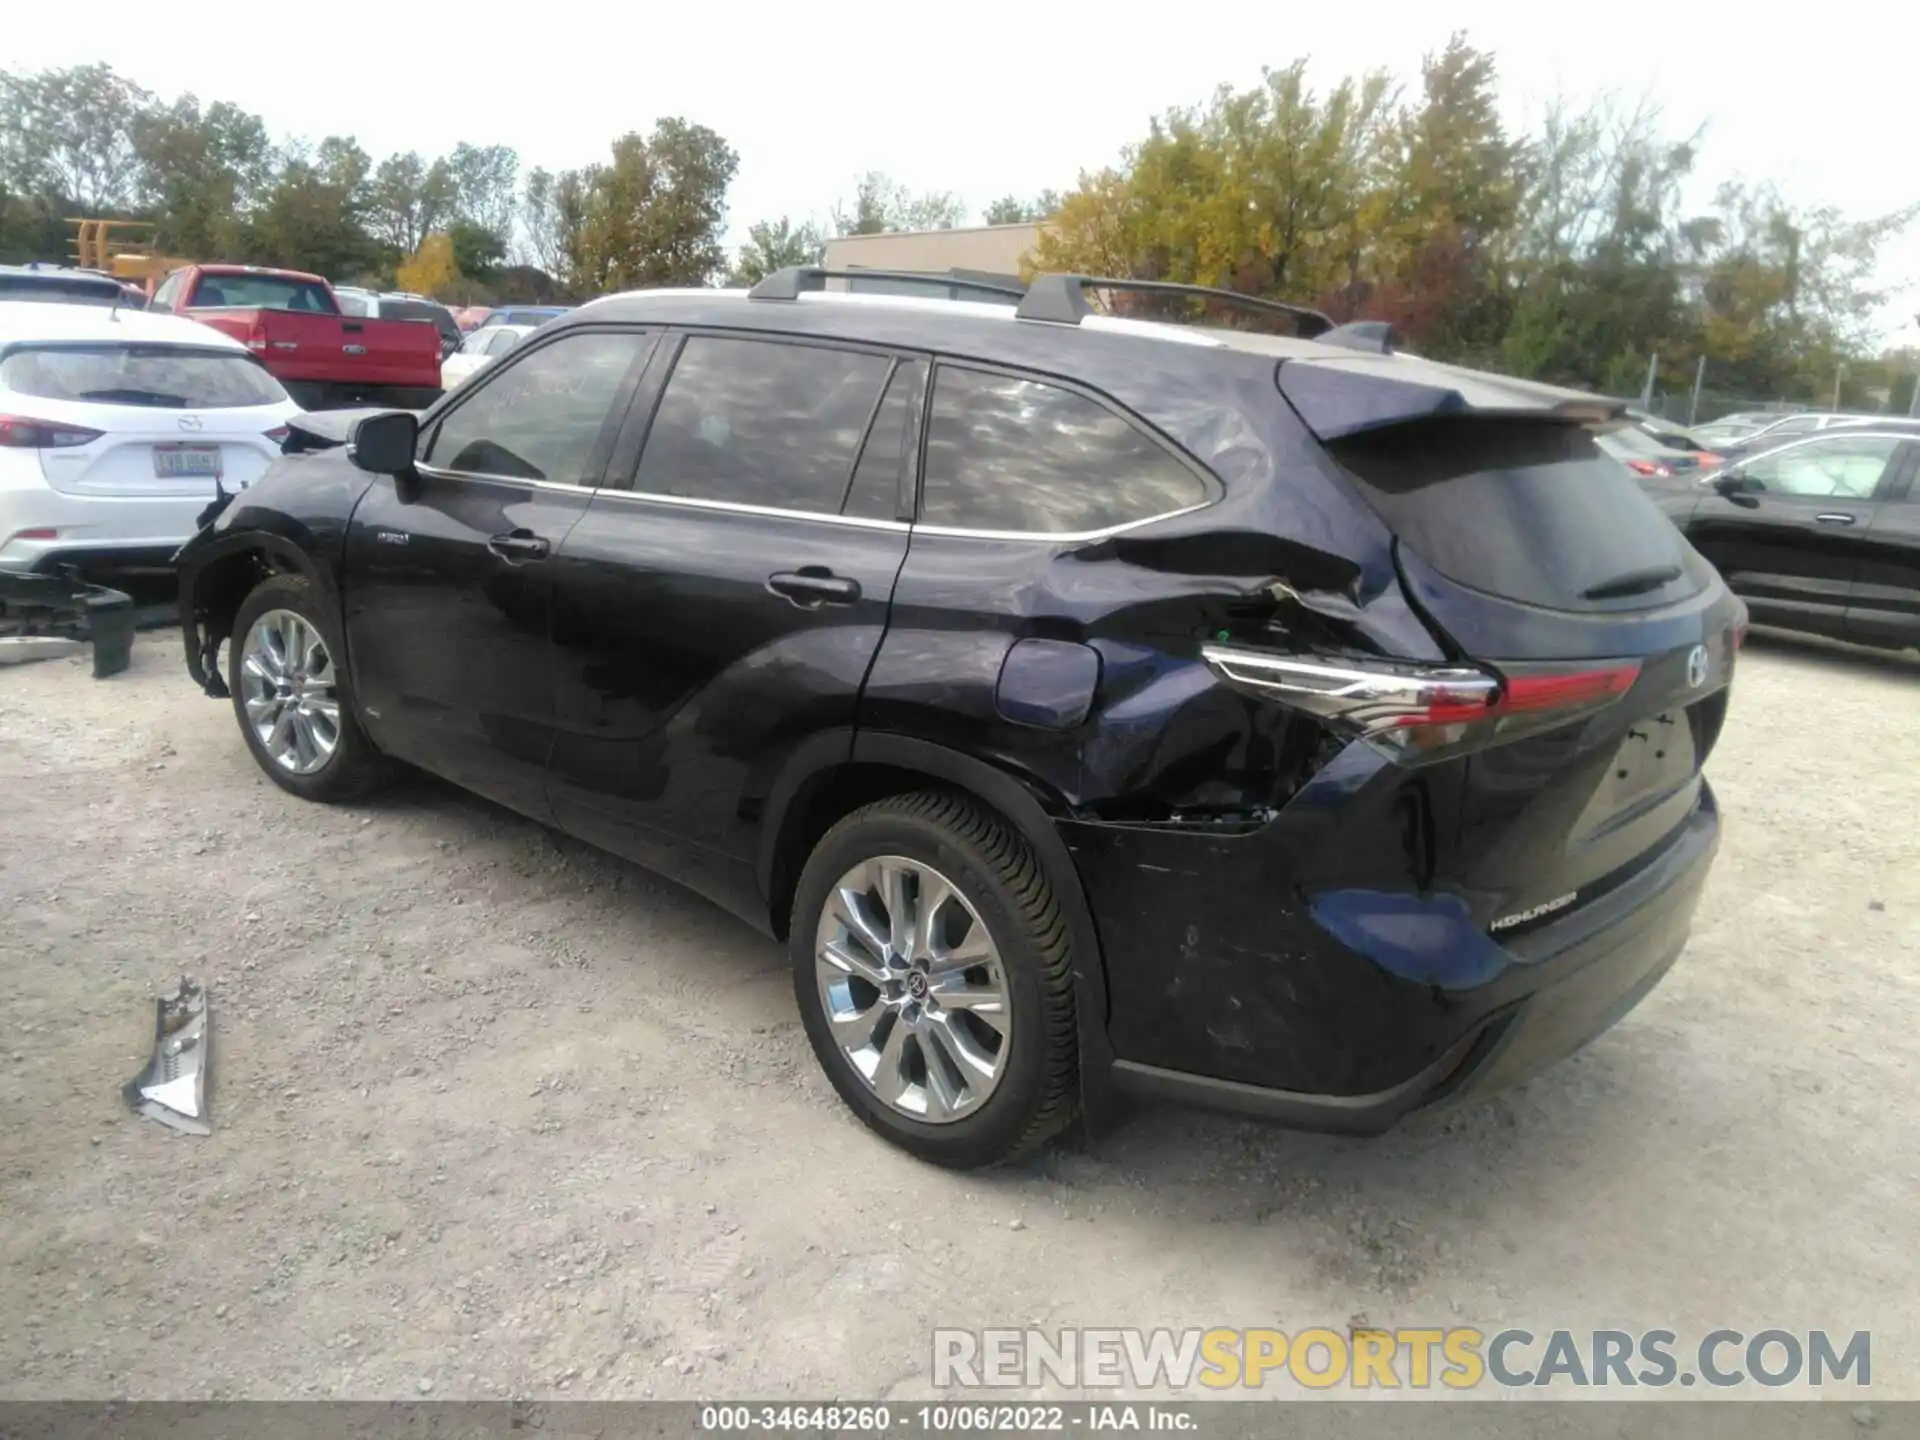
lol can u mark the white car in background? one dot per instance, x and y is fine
(479, 349)
(115, 428)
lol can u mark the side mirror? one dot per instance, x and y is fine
(1732, 482)
(385, 443)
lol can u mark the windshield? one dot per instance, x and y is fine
(264, 292)
(163, 376)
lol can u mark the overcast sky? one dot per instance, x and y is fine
(982, 99)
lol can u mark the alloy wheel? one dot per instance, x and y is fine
(914, 989)
(287, 685)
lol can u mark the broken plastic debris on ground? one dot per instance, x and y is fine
(173, 1087)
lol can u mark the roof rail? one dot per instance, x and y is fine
(796, 280)
(1062, 299)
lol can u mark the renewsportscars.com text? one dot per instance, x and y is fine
(1457, 1358)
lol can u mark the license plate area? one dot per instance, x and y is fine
(1657, 754)
(186, 462)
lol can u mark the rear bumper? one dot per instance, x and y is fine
(1583, 975)
(107, 532)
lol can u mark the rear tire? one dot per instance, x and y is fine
(286, 671)
(957, 1045)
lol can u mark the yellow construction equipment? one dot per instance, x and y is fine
(121, 248)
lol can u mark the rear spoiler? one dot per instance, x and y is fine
(1342, 395)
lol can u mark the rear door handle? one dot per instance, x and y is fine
(518, 545)
(1834, 517)
(814, 586)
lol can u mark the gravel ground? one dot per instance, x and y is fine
(499, 1115)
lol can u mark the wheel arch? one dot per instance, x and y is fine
(835, 773)
(217, 577)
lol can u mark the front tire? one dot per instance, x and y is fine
(931, 966)
(286, 671)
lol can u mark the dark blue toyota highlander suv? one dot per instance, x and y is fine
(1094, 705)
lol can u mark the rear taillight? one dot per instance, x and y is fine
(1426, 707)
(1649, 467)
(17, 432)
(257, 336)
(278, 435)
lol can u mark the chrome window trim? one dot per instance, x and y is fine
(734, 507)
(1061, 537)
(857, 522)
(608, 492)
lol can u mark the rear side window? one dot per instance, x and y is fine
(355, 305)
(540, 419)
(167, 377)
(1010, 454)
(755, 422)
(1530, 511)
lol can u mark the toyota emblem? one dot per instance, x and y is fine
(1697, 667)
(189, 422)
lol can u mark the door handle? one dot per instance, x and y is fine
(518, 545)
(1834, 517)
(813, 586)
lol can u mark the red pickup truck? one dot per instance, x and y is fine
(292, 321)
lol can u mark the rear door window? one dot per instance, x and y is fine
(759, 422)
(1009, 454)
(166, 377)
(544, 417)
(1528, 510)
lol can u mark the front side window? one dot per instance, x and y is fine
(501, 342)
(1009, 454)
(162, 377)
(756, 422)
(541, 419)
(1838, 469)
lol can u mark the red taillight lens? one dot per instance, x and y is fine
(1576, 689)
(17, 432)
(43, 532)
(1648, 467)
(279, 434)
(1423, 707)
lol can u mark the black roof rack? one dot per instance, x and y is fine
(1062, 299)
(796, 280)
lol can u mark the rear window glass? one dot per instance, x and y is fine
(1530, 512)
(61, 290)
(162, 376)
(263, 292)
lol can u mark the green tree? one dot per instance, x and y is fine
(485, 179)
(1012, 210)
(774, 245)
(653, 215)
(478, 252)
(206, 171)
(407, 199)
(312, 217)
(881, 203)
(69, 133)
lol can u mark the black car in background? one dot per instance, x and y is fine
(1092, 705)
(1821, 534)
